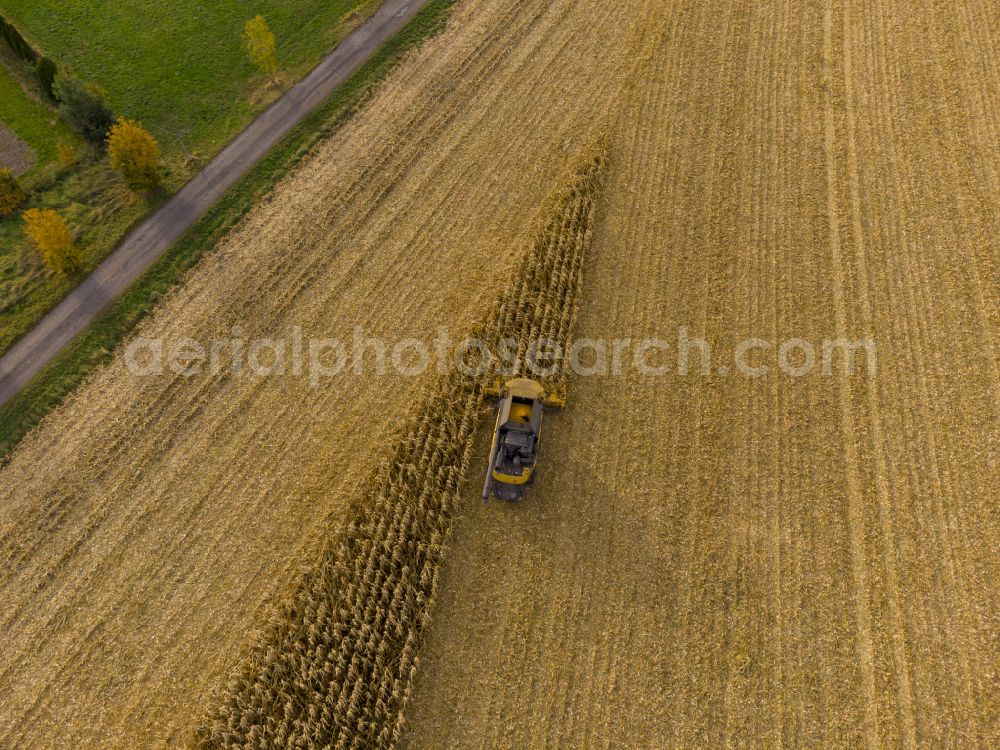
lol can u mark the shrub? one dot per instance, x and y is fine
(16, 42)
(84, 106)
(48, 232)
(68, 157)
(47, 70)
(133, 152)
(12, 194)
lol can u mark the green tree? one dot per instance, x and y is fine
(12, 194)
(47, 230)
(260, 45)
(47, 71)
(133, 151)
(84, 106)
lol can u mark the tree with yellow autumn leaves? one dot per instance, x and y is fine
(48, 232)
(133, 151)
(258, 40)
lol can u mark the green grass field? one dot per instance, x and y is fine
(179, 67)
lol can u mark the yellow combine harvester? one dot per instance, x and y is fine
(514, 452)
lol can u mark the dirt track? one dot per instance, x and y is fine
(14, 152)
(725, 561)
(705, 560)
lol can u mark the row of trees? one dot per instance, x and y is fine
(45, 68)
(131, 149)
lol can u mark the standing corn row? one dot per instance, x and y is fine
(335, 670)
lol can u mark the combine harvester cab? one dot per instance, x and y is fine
(516, 438)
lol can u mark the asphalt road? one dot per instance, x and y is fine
(152, 237)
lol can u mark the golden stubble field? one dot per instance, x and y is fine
(705, 560)
(735, 562)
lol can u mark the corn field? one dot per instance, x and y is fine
(708, 558)
(336, 669)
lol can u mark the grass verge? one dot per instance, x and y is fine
(99, 208)
(97, 343)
